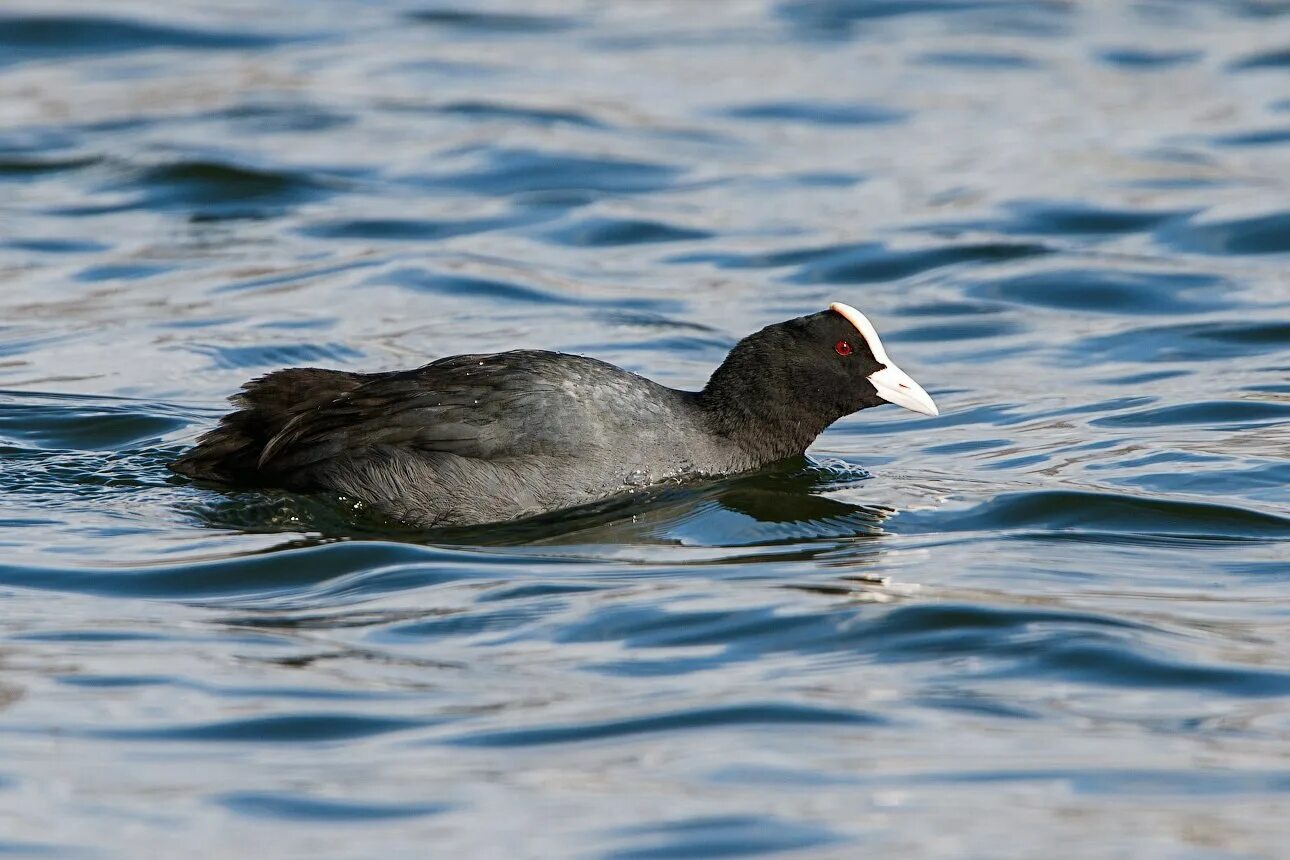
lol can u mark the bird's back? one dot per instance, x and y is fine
(469, 438)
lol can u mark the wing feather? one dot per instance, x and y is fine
(474, 406)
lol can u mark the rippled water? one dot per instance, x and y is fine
(1055, 616)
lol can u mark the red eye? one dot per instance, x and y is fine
(842, 348)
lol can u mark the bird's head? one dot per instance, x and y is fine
(797, 377)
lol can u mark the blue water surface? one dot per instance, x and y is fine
(1051, 622)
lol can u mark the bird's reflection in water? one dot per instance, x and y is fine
(780, 505)
(778, 511)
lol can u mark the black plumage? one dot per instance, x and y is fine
(478, 438)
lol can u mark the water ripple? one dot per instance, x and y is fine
(290, 728)
(318, 810)
(261, 575)
(509, 172)
(1275, 59)
(869, 262)
(771, 714)
(490, 22)
(1117, 292)
(608, 232)
(1064, 597)
(1264, 234)
(208, 189)
(1205, 341)
(46, 37)
(818, 113)
(728, 836)
(1098, 515)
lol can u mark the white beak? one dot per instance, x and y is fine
(895, 386)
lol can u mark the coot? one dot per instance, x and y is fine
(473, 439)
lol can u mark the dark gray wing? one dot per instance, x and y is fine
(486, 407)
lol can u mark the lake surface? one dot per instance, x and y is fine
(1051, 622)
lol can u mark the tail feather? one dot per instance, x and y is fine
(230, 453)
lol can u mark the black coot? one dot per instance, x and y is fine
(481, 438)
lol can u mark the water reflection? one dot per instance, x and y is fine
(780, 505)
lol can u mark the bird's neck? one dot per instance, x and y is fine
(762, 413)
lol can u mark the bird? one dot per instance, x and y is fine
(483, 438)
